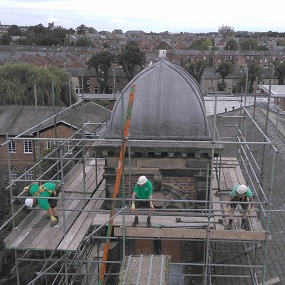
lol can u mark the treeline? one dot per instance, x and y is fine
(35, 35)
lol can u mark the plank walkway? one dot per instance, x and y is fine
(35, 232)
(230, 174)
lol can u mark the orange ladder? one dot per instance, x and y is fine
(117, 182)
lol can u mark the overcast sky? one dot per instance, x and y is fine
(147, 15)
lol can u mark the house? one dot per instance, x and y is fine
(20, 125)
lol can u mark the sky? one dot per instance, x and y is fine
(147, 15)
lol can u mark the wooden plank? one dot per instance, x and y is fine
(228, 179)
(73, 246)
(169, 221)
(91, 205)
(74, 230)
(20, 233)
(40, 234)
(240, 178)
(189, 234)
(275, 280)
(217, 207)
(223, 185)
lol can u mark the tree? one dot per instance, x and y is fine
(196, 69)
(224, 69)
(131, 58)
(81, 29)
(101, 62)
(231, 45)
(84, 42)
(18, 82)
(249, 44)
(5, 39)
(254, 71)
(279, 72)
(14, 30)
(201, 44)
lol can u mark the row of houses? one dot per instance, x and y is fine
(26, 132)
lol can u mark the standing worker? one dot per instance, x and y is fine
(240, 193)
(48, 189)
(142, 190)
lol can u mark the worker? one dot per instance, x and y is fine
(240, 193)
(48, 189)
(143, 190)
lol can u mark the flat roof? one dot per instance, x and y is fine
(275, 91)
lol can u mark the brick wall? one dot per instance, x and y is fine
(186, 184)
(21, 160)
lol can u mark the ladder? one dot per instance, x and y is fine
(117, 182)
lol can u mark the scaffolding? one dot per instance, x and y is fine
(73, 254)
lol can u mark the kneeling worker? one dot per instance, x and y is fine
(48, 189)
(240, 193)
(143, 190)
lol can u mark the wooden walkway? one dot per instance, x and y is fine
(35, 231)
(78, 215)
(197, 227)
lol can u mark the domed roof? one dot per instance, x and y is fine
(168, 104)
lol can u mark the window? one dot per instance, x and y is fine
(29, 174)
(28, 146)
(14, 173)
(78, 89)
(48, 144)
(117, 80)
(12, 146)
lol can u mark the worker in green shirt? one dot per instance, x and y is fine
(142, 198)
(48, 189)
(240, 193)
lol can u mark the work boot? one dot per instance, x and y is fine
(243, 224)
(54, 222)
(136, 221)
(230, 224)
(148, 223)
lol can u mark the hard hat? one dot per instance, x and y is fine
(29, 202)
(142, 180)
(242, 189)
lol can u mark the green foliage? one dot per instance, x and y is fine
(84, 42)
(224, 69)
(14, 30)
(5, 39)
(131, 58)
(231, 45)
(36, 35)
(101, 62)
(19, 80)
(281, 43)
(254, 72)
(279, 72)
(249, 44)
(196, 69)
(201, 44)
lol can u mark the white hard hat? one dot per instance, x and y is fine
(29, 202)
(242, 189)
(142, 180)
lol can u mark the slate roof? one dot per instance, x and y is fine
(16, 119)
(168, 104)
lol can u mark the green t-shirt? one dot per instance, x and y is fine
(43, 203)
(234, 192)
(144, 191)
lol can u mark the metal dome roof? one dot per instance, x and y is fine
(168, 104)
